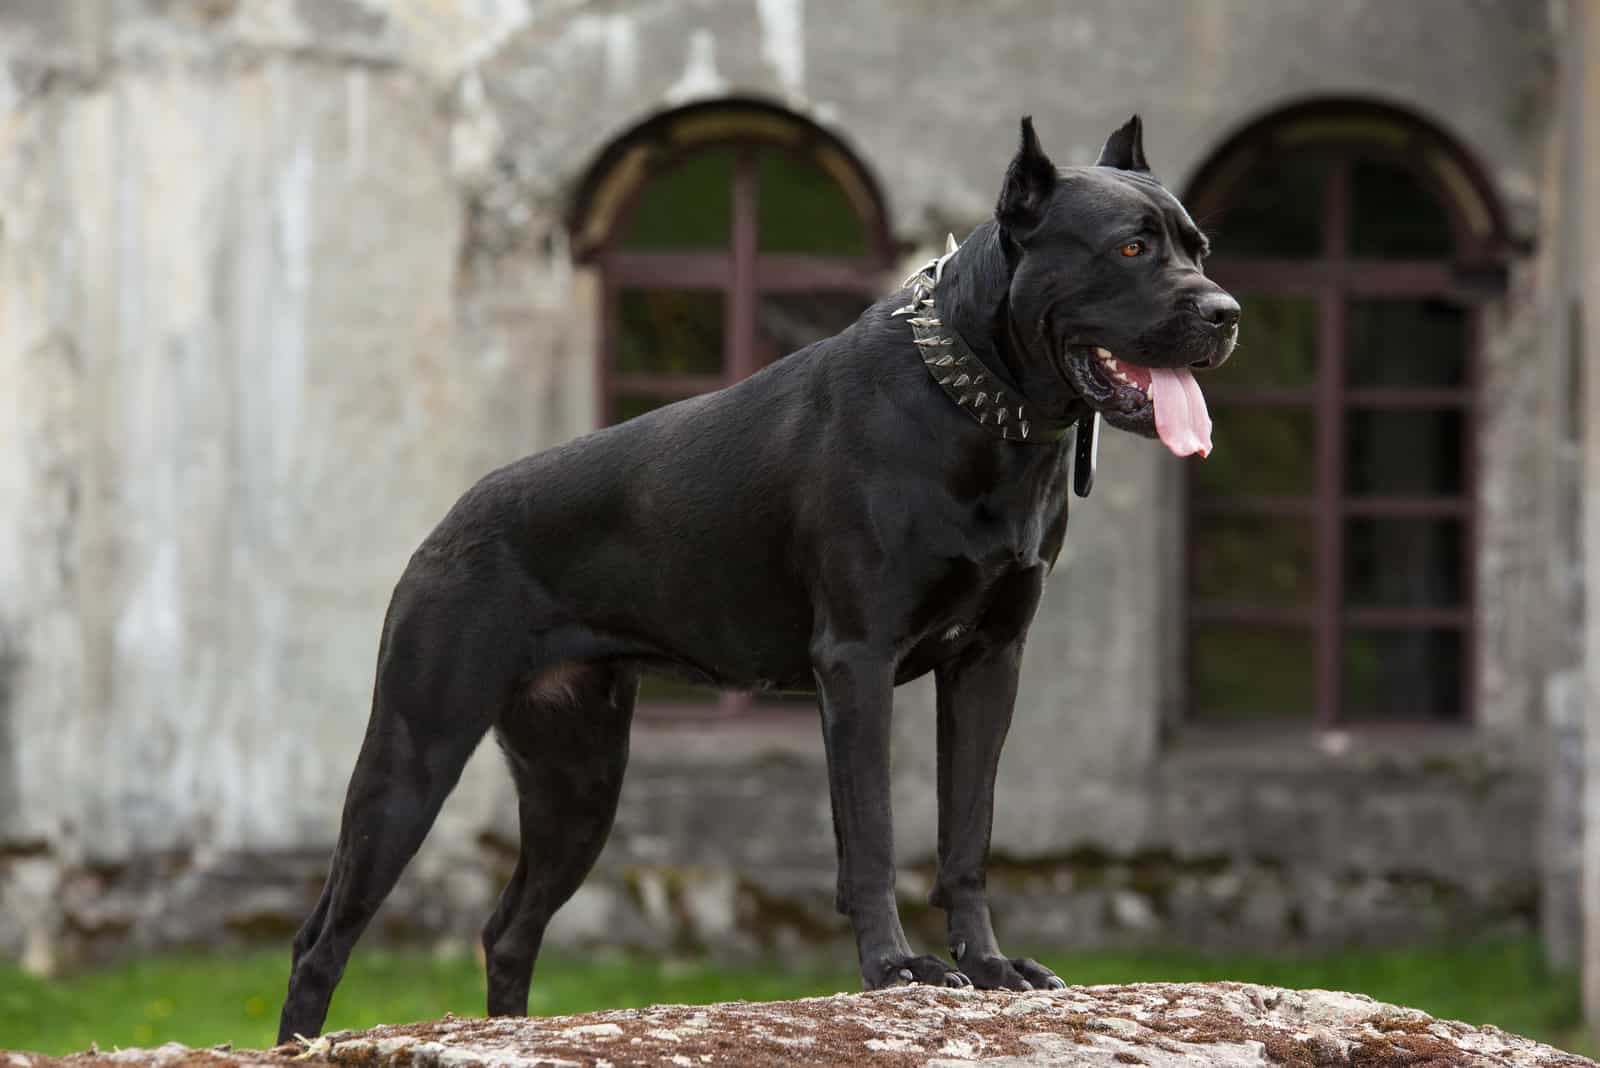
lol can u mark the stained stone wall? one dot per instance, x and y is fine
(280, 279)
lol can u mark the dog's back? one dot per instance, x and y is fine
(747, 477)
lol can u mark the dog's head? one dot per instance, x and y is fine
(1106, 297)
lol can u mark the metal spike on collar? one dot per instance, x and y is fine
(950, 248)
(958, 371)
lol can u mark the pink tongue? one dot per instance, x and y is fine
(1181, 416)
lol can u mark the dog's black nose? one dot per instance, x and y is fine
(1220, 310)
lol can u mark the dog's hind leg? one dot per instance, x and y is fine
(444, 669)
(567, 745)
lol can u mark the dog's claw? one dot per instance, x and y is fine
(956, 979)
(1057, 983)
(905, 973)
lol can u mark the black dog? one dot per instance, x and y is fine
(881, 504)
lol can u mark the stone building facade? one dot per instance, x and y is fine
(281, 278)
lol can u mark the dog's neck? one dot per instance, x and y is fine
(953, 299)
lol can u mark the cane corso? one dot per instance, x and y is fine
(881, 504)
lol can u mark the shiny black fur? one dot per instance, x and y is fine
(833, 523)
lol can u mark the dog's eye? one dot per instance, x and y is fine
(1133, 248)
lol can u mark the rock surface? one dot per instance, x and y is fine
(1156, 1024)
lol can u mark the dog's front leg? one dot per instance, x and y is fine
(856, 687)
(976, 695)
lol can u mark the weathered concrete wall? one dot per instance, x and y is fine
(281, 279)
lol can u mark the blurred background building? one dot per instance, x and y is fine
(279, 280)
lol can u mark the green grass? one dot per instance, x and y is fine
(206, 1000)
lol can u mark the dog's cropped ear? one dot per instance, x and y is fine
(1029, 181)
(1125, 148)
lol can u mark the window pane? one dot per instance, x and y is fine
(1403, 453)
(1402, 675)
(1403, 563)
(669, 331)
(1253, 558)
(1252, 672)
(1260, 451)
(1405, 343)
(789, 321)
(802, 209)
(1392, 216)
(1277, 344)
(1275, 212)
(627, 405)
(686, 207)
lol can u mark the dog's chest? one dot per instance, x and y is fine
(989, 585)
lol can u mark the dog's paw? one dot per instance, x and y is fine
(1021, 973)
(907, 970)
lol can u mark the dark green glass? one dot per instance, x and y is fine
(1403, 563)
(1275, 212)
(685, 208)
(1256, 558)
(1405, 342)
(1265, 452)
(1277, 344)
(670, 331)
(802, 209)
(1392, 217)
(1402, 675)
(1252, 673)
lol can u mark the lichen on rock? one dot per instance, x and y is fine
(1155, 1024)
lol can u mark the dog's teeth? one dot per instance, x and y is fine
(1000, 417)
(1150, 391)
(923, 321)
(1024, 428)
(1102, 353)
(963, 380)
(944, 361)
(981, 398)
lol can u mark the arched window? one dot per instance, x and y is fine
(727, 235)
(1330, 534)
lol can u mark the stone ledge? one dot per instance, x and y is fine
(1156, 1024)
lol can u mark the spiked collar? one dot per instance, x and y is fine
(978, 389)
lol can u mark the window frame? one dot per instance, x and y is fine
(1332, 278)
(614, 187)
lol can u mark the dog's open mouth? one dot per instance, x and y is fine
(1163, 402)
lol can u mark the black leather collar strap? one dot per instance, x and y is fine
(976, 388)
